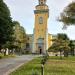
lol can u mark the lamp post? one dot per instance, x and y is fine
(42, 69)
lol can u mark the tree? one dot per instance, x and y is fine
(61, 44)
(68, 18)
(6, 25)
(72, 46)
(68, 15)
(19, 35)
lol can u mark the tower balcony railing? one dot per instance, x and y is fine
(41, 11)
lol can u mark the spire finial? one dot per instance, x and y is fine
(42, 2)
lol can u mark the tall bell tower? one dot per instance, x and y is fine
(40, 40)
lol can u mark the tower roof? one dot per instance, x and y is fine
(42, 2)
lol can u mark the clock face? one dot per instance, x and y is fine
(40, 20)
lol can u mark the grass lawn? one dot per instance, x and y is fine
(7, 56)
(54, 66)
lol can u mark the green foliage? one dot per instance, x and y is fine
(6, 56)
(61, 43)
(68, 15)
(1, 55)
(62, 36)
(72, 46)
(6, 25)
(31, 68)
(54, 66)
(44, 59)
(19, 35)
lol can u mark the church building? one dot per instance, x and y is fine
(41, 39)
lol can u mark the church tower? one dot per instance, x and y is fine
(40, 40)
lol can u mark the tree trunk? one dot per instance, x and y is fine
(65, 53)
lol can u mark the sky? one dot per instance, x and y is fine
(23, 11)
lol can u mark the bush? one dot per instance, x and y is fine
(35, 72)
(1, 55)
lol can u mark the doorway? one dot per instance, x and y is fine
(40, 51)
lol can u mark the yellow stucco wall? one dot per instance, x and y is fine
(40, 30)
(49, 40)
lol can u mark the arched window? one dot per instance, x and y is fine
(41, 40)
(40, 20)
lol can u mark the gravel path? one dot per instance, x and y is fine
(10, 64)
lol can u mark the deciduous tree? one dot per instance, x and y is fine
(68, 15)
(6, 25)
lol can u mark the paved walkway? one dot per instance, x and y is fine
(10, 64)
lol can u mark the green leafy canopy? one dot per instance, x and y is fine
(68, 15)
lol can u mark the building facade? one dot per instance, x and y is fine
(40, 42)
(29, 42)
(40, 38)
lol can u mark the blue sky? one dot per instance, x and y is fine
(23, 11)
